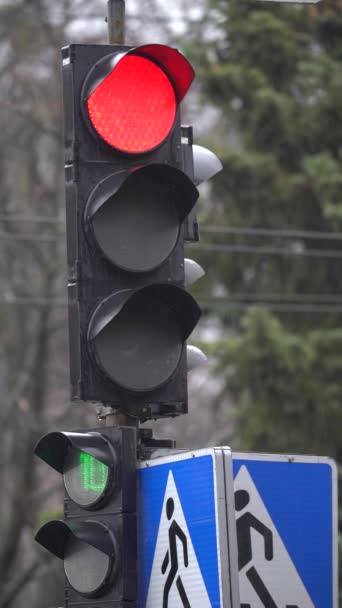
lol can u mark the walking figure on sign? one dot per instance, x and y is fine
(244, 525)
(172, 556)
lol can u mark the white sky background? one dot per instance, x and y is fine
(146, 23)
(171, 18)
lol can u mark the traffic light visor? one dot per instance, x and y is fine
(53, 448)
(132, 98)
(136, 215)
(88, 549)
(137, 337)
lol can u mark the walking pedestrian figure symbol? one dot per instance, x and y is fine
(244, 525)
(172, 556)
(176, 579)
(268, 577)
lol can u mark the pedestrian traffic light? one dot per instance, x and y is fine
(97, 539)
(128, 199)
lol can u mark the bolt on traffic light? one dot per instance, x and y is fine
(130, 196)
(97, 539)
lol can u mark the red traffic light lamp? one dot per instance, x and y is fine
(131, 98)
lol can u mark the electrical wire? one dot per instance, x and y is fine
(310, 234)
(206, 229)
(282, 297)
(18, 236)
(275, 306)
(311, 253)
(28, 301)
(226, 302)
(34, 219)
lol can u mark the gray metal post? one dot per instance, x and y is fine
(116, 35)
(108, 416)
(116, 21)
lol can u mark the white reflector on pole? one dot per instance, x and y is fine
(195, 357)
(206, 164)
(193, 272)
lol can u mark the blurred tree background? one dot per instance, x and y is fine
(268, 101)
(275, 223)
(273, 234)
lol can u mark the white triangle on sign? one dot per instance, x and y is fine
(190, 576)
(279, 575)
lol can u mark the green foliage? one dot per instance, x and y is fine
(288, 386)
(276, 76)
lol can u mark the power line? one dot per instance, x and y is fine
(316, 253)
(131, 17)
(275, 306)
(316, 298)
(34, 219)
(207, 229)
(18, 236)
(282, 297)
(228, 302)
(312, 234)
(31, 301)
(313, 253)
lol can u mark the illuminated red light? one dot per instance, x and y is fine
(133, 109)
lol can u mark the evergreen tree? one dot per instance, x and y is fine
(276, 76)
(275, 73)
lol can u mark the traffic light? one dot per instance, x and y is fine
(130, 199)
(97, 539)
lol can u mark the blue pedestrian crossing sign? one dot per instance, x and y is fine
(187, 548)
(286, 518)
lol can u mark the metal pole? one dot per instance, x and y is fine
(106, 414)
(120, 419)
(116, 21)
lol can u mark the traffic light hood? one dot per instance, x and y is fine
(124, 93)
(136, 215)
(137, 336)
(170, 60)
(56, 534)
(53, 448)
(174, 182)
(181, 303)
(173, 62)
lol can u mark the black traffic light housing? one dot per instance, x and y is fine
(131, 172)
(97, 539)
(126, 223)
